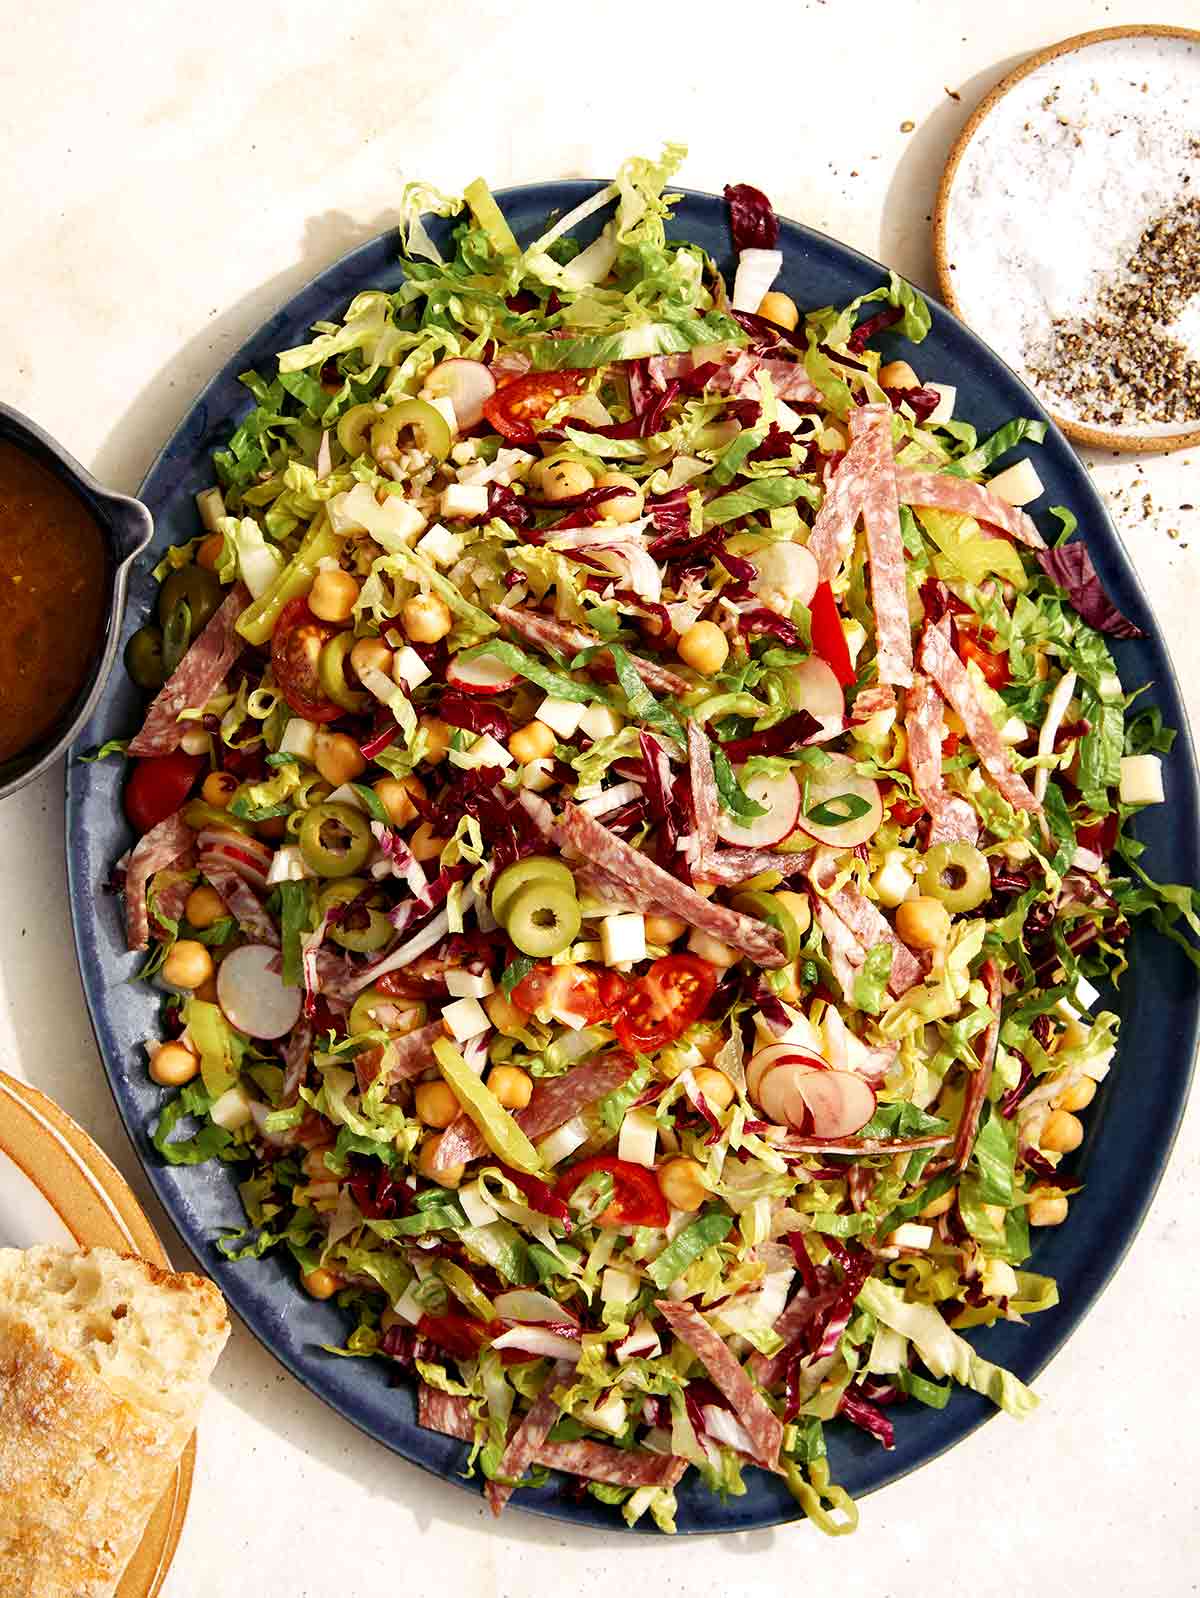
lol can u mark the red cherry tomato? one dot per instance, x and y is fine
(513, 408)
(158, 786)
(993, 666)
(828, 639)
(902, 812)
(637, 1198)
(296, 646)
(577, 991)
(663, 1003)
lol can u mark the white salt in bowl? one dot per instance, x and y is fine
(1048, 191)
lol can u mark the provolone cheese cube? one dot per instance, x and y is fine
(623, 938)
(464, 499)
(466, 1018)
(1141, 780)
(1019, 485)
(562, 716)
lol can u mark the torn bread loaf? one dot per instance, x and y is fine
(104, 1361)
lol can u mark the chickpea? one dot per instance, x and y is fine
(622, 507)
(320, 1283)
(426, 618)
(681, 1185)
(663, 930)
(1078, 1096)
(435, 1104)
(1048, 1208)
(209, 551)
(451, 1176)
(1062, 1133)
(173, 1064)
(780, 309)
(188, 964)
(333, 596)
(336, 757)
(504, 1014)
(204, 908)
(437, 739)
(712, 950)
(555, 480)
(939, 1206)
(218, 788)
(716, 1087)
(371, 654)
(898, 374)
(703, 647)
(923, 922)
(424, 845)
(535, 741)
(395, 795)
(512, 1086)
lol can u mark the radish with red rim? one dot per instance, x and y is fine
(252, 994)
(468, 385)
(485, 674)
(779, 799)
(841, 808)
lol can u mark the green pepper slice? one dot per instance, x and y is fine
(362, 1017)
(194, 586)
(365, 939)
(199, 814)
(543, 918)
(144, 659)
(335, 840)
(331, 671)
(757, 902)
(533, 867)
(429, 427)
(958, 875)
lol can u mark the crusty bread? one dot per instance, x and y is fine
(104, 1360)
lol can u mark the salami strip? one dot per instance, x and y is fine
(833, 530)
(846, 954)
(169, 902)
(801, 1311)
(196, 678)
(956, 687)
(529, 1436)
(704, 792)
(759, 1421)
(296, 1052)
(871, 426)
(555, 1100)
(409, 1056)
(971, 499)
(872, 701)
(448, 1413)
(623, 1467)
(793, 1143)
(980, 1079)
(242, 903)
(952, 818)
(160, 847)
(731, 866)
(566, 637)
(871, 927)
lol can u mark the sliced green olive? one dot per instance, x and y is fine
(335, 840)
(757, 902)
(543, 918)
(144, 658)
(354, 428)
(331, 670)
(513, 877)
(958, 875)
(430, 431)
(198, 815)
(370, 929)
(194, 586)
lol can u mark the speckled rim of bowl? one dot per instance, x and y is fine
(126, 527)
(96, 1205)
(1080, 432)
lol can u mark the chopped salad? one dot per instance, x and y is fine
(632, 820)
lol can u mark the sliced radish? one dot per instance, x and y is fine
(253, 996)
(779, 1093)
(775, 1054)
(486, 674)
(813, 687)
(786, 573)
(780, 800)
(830, 782)
(468, 385)
(838, 1102)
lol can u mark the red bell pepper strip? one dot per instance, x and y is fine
(829, 641)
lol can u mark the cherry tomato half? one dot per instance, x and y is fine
(157, 787)
(576, 991)
(993, 666)
(637, 1198)
(295, 649)
(663, 1003)
(513, 408)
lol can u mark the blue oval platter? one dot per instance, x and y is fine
(1130, 1129)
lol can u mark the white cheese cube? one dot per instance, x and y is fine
(1014, 732)
(910, 1234)
(562, 716)
(598, 721)
(232, 1109)
(409, 669)
(570, 1136)
(464, 499)
(537, 776)
(486, 751)
(466, 985)
(463, 452)
(893, 883)
(394, 523)
(623, 938)
(617, 1285)
(1019, 485)
(638, 1138)
(440, 545)
(298, 738)
(444, 406)
(999, 1279)
(1141, 780)
(943, 411)
(466, 1018)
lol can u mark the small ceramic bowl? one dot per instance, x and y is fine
(126, 527)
